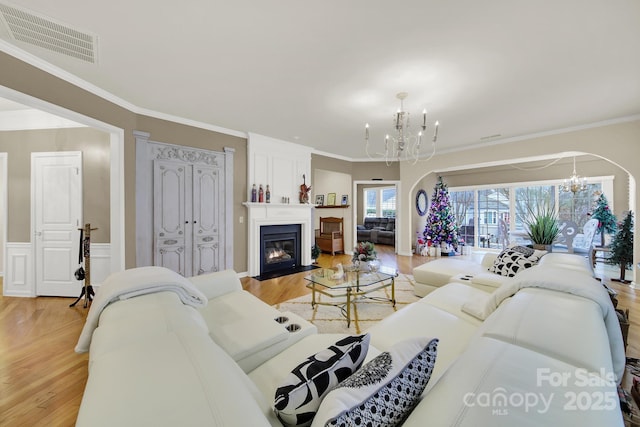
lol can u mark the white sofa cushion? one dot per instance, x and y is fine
(385, 390)
(298, 397)
(139, 318)
(496, 383)
(488, 280)
(242, 324)
(171, 380)
(439, 271)
(419, 319)
(219, 283)
(450, 298)
(528, 318)
(568, 261)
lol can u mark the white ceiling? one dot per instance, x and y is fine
(315, 72)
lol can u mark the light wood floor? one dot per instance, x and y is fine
(42, 379)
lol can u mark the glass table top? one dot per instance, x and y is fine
(328, 277)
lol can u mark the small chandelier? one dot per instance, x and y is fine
(574, 183)
(403, 144)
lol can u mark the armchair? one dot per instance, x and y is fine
(329, 237)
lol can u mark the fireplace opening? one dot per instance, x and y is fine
(280, 247)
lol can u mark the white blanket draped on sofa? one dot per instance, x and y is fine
(562, 280)
(132, 283)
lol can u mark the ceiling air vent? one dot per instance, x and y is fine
(47, 34)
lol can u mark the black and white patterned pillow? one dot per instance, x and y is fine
(510, 261)
(385, 391)
(523, 250)
(299, 396)
(532, 254)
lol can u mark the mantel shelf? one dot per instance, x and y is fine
(332, 207)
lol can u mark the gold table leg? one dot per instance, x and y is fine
(348, 307)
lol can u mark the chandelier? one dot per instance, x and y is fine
(403, 144)
(574, 183)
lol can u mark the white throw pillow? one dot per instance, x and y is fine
(299, 396)
(385, 390)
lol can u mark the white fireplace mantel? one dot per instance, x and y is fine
(260, 214)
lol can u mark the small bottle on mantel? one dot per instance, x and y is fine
(254, 194)
(261, 194)
(268, 195)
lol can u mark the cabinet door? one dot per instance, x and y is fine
(207, 211)
(170, 216)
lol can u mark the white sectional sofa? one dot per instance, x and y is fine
(475, 270)
(535, 352)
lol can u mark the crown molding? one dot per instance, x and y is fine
(58, 72)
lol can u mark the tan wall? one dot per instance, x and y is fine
(618, 143)
(95, 149)
(32, 81)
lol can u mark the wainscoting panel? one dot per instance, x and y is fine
(18, 278)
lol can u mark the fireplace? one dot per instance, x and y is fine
(280, 247)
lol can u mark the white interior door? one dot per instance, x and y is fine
(57, 214)
(206, 220)
(172, 221)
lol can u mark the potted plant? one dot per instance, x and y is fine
(315, 252)
(543, 227)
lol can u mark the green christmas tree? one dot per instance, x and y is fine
(441, 222)
(606, 219)
(622, 247)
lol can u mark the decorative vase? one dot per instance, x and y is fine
(374, 265)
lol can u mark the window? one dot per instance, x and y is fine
(380, 202)
(575, 207)
(493, 217)
(462, 203)
(493, 204)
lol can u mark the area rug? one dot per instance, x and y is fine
(364, 314)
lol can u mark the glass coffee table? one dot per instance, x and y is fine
(354, 285)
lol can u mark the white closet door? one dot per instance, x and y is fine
(171, 226)
(189, 210)
(206, 219)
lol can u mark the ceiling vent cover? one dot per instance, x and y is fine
(47, 34)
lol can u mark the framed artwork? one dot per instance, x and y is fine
(319, 199)
(345, 200)
(331, 199)
(421, 202)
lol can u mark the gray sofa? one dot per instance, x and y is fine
(378, 230)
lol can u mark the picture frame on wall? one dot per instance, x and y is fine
(320, 199)
(345, 200)
(331, 199)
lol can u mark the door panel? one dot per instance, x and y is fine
(206, 219)
(171, 228)
(57, 207)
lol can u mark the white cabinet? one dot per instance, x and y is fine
(188, 193)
